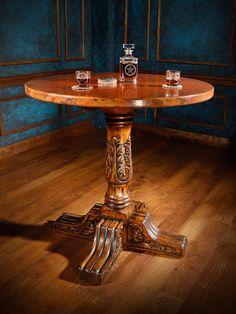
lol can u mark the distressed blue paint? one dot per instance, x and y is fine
(202, 34)
(76, 109)
(24, 112)
(74, 28)
(202, 115)
(98, 119)
(11, 91)
(190, 30)
(203, 27)
(137, 32)
(119, 32)
(103, 16)
(14, 138)
(103, 49)
(36, 31)
(21, 112)
(208, 112)
(28, 32)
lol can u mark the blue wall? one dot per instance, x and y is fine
(196, 37)
(46, 36)
(40, 36)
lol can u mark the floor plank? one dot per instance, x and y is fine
(188, 189)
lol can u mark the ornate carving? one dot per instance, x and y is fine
(109, 159)
(138, 233)
(139, 237)
(118, 161)
(84, 229)
(111, 231)
(79, 226)
(143, 234)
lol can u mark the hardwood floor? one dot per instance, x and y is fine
(188, 188)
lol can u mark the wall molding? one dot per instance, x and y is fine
(50, 137)
(222, 126)
(28, 126)
(199, 138)
(145, 58)
(73, 114)
(230, 48)
(66, 33)
(6, 63)
(141, 114)
(12, 97)
(21, 79)
(218, 80)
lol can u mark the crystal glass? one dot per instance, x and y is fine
(172, 77)
(83, 78)
(128, 65)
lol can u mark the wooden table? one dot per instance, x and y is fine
(120, 222)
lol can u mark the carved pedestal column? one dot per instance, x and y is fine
(120, 222)
(118, 170)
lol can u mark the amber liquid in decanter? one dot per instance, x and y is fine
(128, 65)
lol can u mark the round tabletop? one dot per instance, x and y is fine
(147, 92)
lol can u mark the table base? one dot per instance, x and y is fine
(111, 231)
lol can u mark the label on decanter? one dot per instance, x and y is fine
(128, 70)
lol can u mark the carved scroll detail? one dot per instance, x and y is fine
(81, 226)
(85, 229)
(143, 234)
(118, 161)
(109, 159)
(139, 236)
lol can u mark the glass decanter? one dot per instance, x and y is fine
(128, 65)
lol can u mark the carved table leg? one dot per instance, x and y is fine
(80, 226)
(119, 222)
(119, 169)
(143, 235)
(106, 248)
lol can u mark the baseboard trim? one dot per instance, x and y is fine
(78, 129)
(203, 139)
(86, 127)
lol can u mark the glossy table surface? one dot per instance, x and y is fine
(147, 92)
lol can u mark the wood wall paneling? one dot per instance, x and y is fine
(141, 112)
(83, 127)
(205, 29)
(137, 23)
(203, 139)
(74, 111)
(42, 122)
(74, 30)
(32, 34)
(220, 125)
